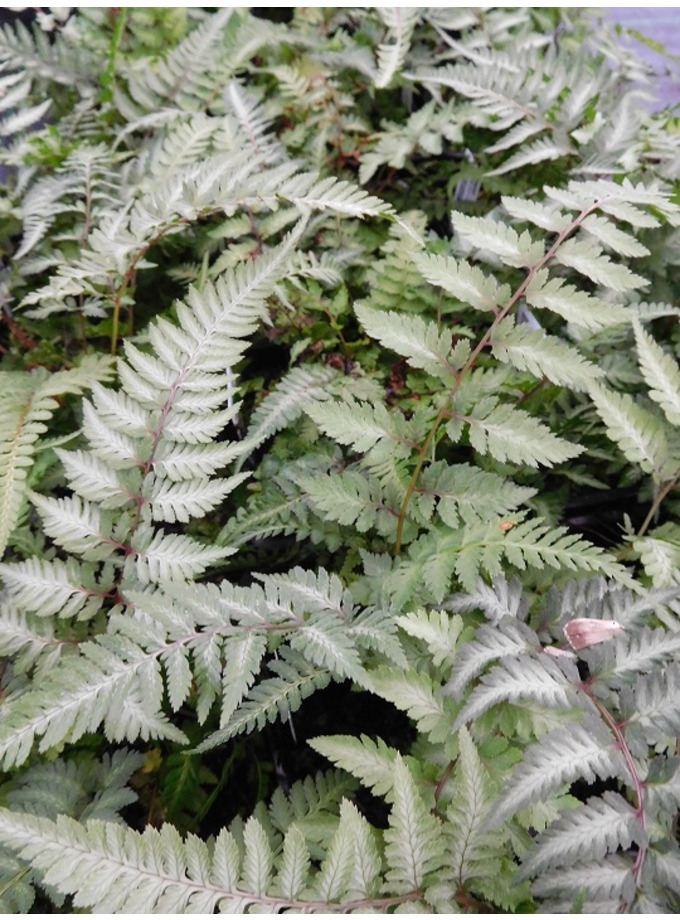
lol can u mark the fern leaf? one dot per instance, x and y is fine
(417, 695)
(163, 557)
(500, 599)
(588, 259)
(601, 826)
(258, 858)
(512, 434)
(420, 342)
(575, 306)
(473, 495)
(507, 638)
(465, 282)
(300, 387)
(414, 842)
(55, 588)
(293, 870)
(366, 862)
(471, 847)
(661, 372)
(542, 214)
(585, 750)
(372, 762)
(606, 884)
(76, 525)
(494, 237)
(542, 355)
(639, 434)
(111, 868)
(401, 22)
(517, 679)
(272, 698)
(360, 425)
(438, 630)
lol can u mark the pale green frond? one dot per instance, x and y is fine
(605, 883)
(467, 493)
(511, 434)
(293, 870)
(541, 214)
(639, 434)
(494, 237)
(601, 826)
(358, 424)
(78, 526)
(309, 194)
(542, 355)
(372, 762)
(367, 863)
(645, 648)
(585, 750)
(272, 698)
(258, 858)
(56, 588)
(465, 282)
(243, 657)
(573, 305)
(661, 373)
(414, 841)
(335, 871)
(438, 630)
(588, 259)
(350, 497)
(420, 342)
(93, 479)
(183, 500)
(472, 850)
(302, 386)
(112, 868)
(401, 22)
(502, 598)
(538, 151)
(112, 682)
(659, 552)
(29, 639)
(507, 638)
(613, 238)
(163, 557)
(417, 695)
(519, 678)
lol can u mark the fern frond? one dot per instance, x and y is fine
(542, 355)
(640, 435)
(586, 750)
(272, 698)
(516, 679)
(401, 21)
(507, 638)
(575, 306)
(661, 373)
(420, 342)
(589, 833)
(465, 282)
(372, 762)
(414, 841)
(511, 434)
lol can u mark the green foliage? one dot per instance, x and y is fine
(317, 336)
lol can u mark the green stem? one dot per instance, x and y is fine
(656, 504)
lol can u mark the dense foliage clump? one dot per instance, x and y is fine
(322, 335)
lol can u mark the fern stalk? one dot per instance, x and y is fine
(469, 364)
(638, 784)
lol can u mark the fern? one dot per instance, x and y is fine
(373, 280)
